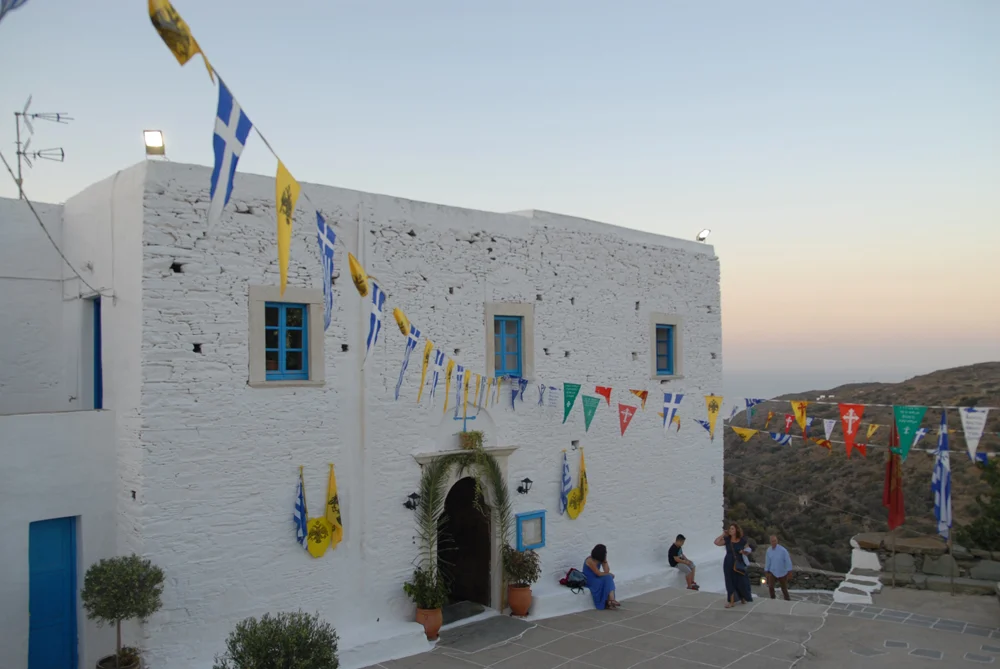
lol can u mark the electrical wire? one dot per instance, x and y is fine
(44, 229)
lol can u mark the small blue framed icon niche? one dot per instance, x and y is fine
(530, 530)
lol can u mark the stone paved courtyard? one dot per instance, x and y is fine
(680, 629)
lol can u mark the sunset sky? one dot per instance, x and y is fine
(846, 155)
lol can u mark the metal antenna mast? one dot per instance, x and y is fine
(23, 154)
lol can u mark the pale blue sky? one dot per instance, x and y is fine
(845, 154)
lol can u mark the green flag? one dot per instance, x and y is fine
(908, 421)
(590, 405)
(570, 391)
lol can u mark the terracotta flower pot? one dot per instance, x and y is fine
(519, 598)
(431, 620)
(109, 663)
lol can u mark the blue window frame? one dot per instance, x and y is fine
(507, 345)
(664, 350)
(286, 341)
(537, 533)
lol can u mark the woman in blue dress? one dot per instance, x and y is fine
(600, 580)
(733, 567)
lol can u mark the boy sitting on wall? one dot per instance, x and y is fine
(675, 556)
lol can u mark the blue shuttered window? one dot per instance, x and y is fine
(664, 350)
(286, 343)
(507, 345)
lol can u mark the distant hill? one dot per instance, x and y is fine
(816, 500)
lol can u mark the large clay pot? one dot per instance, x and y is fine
(109, 663)
(519, 599)
(431, 620)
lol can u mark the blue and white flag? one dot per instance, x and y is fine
(411, 343)
(374, 319)
(781, 438)
(522, 384)
(327, 242)
(671, 403)
(299, 516)
(751, 403)
(566, 487)
(460, 380)
(941, 481)
(436, 374)
(9, 5)
(232, 127)
(481, 394)
(973, 425)
(703, 423)
(541, 394)
(980, 457)
(732, 414)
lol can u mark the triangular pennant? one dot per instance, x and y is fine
(828, 425)
(287, 191)
(751, 403)
(333, 510)
(745, 433)
(908, 419)
(872, 429)
(973, 424)
(825, 443)
(605, 392)
(566, 485)
(712, 405)
(799, 408)
(862, 448)
(770, 415)
(805, 430)
(590, 405)
(850, 420)
(671, 403)
(625, 415)
(677, 422)
(704, 424)
(782, 439)
(570, 391)
(642, 395)
(428, 351)
(789, 421)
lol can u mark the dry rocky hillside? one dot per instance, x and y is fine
(816, 499)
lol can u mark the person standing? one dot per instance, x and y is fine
(777, 567)
(734, 568)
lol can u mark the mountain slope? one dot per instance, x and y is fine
(816, 500)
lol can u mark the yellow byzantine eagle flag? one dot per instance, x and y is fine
(402, 321)
(712, 405)
(475, 399)
(428, 351)
(489, 390)
(799, 407)
(872, 429)
(745, 433)
(333, 510)
(176, 34)
(358, 275)
(287, 191)
(449, 368)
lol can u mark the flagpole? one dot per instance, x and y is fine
(951, 554)
(893, 557)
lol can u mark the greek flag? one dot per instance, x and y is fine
(436, 374)
(522, 384)
(751, 403)
(567, 486)
(299, 516)
(782, 438)
(232, 127)
(704, 424)
(411, 343)
(327, 241)
(671, 403)
(375, 320)
(941, 481)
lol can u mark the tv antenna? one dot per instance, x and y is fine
(24, 155)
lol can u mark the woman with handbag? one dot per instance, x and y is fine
(734, 566)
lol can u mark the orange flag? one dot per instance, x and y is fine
(642, 395)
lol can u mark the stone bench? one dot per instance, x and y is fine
(965, 586)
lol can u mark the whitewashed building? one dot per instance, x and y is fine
(145, 421)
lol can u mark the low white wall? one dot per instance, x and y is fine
(54, 465)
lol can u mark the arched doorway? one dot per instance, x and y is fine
(464, 545)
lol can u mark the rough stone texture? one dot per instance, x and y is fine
(944, 565)
(901, 579)
(981, 554)
(965, 586)
(919, 580)
(986, 570)
(904, 564)
(208, 465)
(870, 540)
(802, 579)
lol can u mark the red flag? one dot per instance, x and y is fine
(892, 492)
(605, 392)
(860, 447)
(789, 421)
(770, 415)
(850, 419)
(825, 443)
(625, 415)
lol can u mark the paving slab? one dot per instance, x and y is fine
(482, 634)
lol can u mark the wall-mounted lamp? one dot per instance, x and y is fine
(703, 235)
(525, 486)
(154, 143)
(412, 501)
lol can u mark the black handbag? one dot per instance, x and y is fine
(738, 566)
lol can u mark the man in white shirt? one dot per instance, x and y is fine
(777, 566)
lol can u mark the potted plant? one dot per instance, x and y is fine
(117, 589)
(429, 593)
(521, 569)
(298, 640)
(470, 440)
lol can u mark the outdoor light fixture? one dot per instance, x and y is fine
(703, 235)
(763, 581)
(154, 143)
(525, 486)
(412, 502)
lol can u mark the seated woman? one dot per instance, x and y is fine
(602, 585)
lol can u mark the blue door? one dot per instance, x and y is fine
(52, 594)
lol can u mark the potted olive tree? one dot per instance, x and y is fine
(117, 589)
(288, 640)
(521, 569)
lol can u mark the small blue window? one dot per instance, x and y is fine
(530, 530)
(664, 350)
(507, 345)
(286, 343)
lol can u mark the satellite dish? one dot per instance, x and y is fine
(703, 235)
